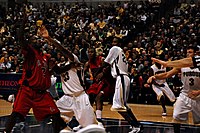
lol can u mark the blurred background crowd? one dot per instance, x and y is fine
(145, 29)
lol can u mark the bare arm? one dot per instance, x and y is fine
(185, 62)
(44, 33)
(163, 75)
(168, 74)
(62, 49)
(20, 31)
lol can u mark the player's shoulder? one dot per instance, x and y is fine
(115, 48)
(153, 66)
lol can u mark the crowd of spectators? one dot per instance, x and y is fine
(142, 35)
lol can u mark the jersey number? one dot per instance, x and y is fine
(124, 59)
(191, 81)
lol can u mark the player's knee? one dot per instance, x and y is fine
(178, 117)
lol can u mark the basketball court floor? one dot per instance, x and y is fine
(148, 115)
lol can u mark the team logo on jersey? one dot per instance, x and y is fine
(189, 74)
(52, 109)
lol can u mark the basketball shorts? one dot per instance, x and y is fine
(80, 106)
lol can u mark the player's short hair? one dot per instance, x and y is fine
(193, 48)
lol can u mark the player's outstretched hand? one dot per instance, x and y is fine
(164, 63)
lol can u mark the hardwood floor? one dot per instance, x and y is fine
(141, 111)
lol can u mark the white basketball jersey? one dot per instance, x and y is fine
(196, 61)
(117, 59)
(190, 78)
(156, 70)
(70, 80)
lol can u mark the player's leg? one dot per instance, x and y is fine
(58, 123)
(65, 105)
(45, 107)
(168, 92)
(196, 111)
(14, 118)
(160, 98)
(120, 96)
(21, 108)
(92, 98)
(182, 107)
(128, 115)
(83, 110)
(163, 104)
(99, 106)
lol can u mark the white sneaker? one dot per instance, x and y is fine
(122, 109)
(75, 129)
(66, 131)
(135, 130)
(164, 114)
(93, 128)
(100, 124)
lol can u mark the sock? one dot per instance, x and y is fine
(98, 114)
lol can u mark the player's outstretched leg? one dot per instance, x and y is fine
(130, 117)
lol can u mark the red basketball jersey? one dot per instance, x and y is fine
(96, 65)
(36, 69)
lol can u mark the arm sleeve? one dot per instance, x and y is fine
(112, 55)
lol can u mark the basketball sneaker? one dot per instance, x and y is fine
(77, 128)
(135, 130)
(100, 124)
(93, 128)
(66, 131)
(122, 109)
(164, 114)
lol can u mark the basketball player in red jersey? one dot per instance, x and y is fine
(97, 89)
(36, 79)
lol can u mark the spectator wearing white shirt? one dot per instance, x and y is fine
(6, 65)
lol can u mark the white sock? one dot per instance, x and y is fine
(98, 114)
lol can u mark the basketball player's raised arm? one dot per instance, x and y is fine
(185, 62)
(20, 31)
(44, 33)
